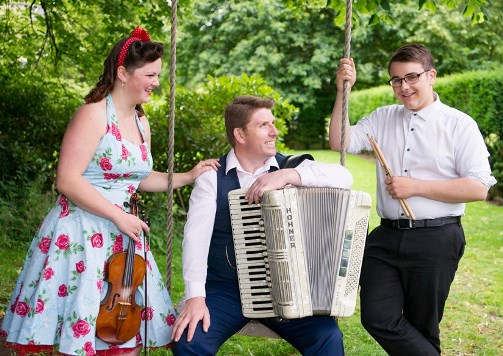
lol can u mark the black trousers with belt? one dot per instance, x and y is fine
(405, 280)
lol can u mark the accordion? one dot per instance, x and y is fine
(299, 252)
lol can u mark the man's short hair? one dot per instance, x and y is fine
(238, 113)
(413, 53)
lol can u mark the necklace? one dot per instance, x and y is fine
(129, 129)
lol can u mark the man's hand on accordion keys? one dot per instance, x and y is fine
(271, 181)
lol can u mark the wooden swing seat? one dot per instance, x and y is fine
(256, 328)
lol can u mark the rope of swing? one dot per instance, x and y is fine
(171, 144)
(345, 94)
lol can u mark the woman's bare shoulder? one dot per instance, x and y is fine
(90, 117)
(92, 111)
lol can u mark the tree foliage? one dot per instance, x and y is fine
(381, 10)
(52, 54)
(295, 46)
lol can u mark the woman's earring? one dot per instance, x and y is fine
(122, 84)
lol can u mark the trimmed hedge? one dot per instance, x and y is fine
(479, 94)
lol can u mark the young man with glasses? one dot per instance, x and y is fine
(440, 162)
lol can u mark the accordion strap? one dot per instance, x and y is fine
(294, 160)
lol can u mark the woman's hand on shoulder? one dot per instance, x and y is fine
(159, 181)
(204, 166)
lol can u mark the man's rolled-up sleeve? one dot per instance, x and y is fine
(319, 174)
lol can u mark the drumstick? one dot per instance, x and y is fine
(387, 170)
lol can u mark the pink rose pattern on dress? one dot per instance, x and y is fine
(99, 284)
(88, 348)
(14, 305)
(40, 306)
(44, 244)
(81, 328)
(115, 132)
(125, 153)
(63, 242)
(48, 273)
(144, 155)
(58, 247)
(97, 240)
(147, 313)
(22, 309)
(170, 319)
(118, 244)
(62, 291)
(111, 176)
(65, 206)
(105, 164)
(80, 267)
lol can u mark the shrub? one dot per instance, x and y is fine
(23, 210)
(34, 117)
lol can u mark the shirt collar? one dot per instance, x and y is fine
(233, 162)
(429, 112)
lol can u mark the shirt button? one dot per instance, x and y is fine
(408, 149)
(412, 129)
(405, 170)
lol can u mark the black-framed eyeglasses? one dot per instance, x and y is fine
(412, 78)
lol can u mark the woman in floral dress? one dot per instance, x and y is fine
(105, 158)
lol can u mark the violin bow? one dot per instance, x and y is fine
(145, 237)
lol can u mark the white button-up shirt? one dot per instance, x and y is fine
(203, 204)
(436, 143)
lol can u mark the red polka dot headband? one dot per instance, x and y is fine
(138, 34)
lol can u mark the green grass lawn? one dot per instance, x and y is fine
(473, 319)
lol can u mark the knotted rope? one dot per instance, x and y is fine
(345, 93)
(171, 143)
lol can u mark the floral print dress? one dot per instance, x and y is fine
(57, 297)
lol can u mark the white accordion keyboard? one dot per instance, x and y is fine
(299, 252)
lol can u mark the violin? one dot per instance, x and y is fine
(119, 318)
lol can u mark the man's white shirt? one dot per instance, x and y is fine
(203, 203)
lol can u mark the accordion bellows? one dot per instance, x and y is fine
(299, 252)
